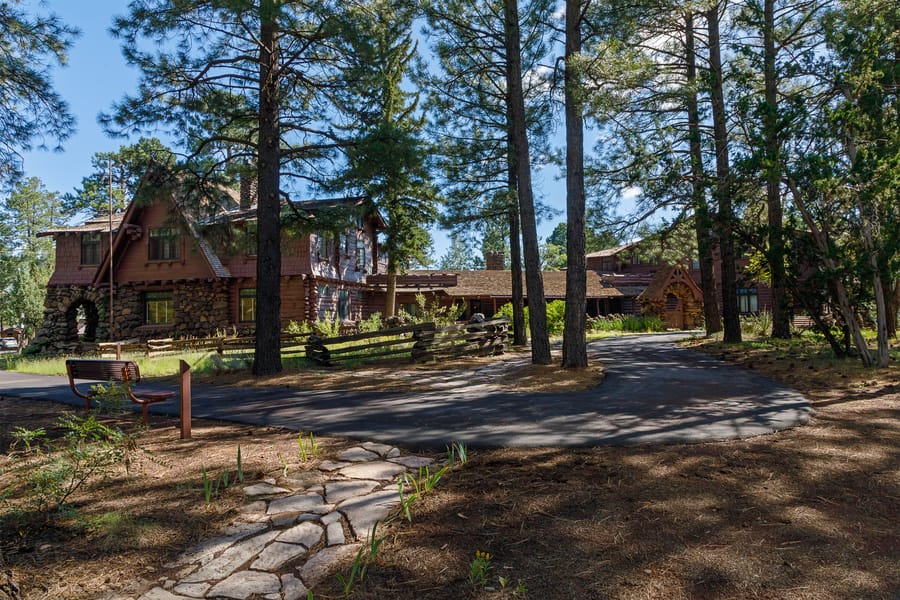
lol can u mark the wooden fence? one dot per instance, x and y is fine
(221, 345)
(422, 342)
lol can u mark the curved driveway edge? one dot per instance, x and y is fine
(654, 392)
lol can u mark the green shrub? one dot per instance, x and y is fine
(759, 324)
(89, 450)
(507, 311)
(556, 317)
(627, 323)
(372, 323)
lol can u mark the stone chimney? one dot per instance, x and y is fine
(494, 261)
(248, 192)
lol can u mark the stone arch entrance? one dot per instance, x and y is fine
(82, 318)
(674, 297)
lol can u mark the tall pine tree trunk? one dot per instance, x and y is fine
(574, 350)
(706, 243)
(781, 324)
(515, 254)
(725, 220)
(390, 294)
(537, 306)
(881, 326)
(267, 356)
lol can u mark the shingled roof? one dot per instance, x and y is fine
(490, 284)
(98, 224)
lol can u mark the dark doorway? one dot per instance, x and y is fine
(81, 321)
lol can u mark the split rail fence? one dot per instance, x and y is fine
(422, 342)
(419, 343)
(221, 345)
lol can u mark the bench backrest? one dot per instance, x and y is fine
(103, 370)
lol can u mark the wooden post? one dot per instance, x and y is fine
(185, 401)
(118, 350)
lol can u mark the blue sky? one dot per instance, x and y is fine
(96, 76)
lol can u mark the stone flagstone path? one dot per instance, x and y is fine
(288, 540)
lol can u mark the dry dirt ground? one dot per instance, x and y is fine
(807, 513)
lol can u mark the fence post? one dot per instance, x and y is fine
(185, 400)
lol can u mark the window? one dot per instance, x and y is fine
(247, 304)
(343, 305)
(160, 308)
(164, 244)
(324, 295)
(323, 246)
(748, 300)
(360, 255)
(90, 249)
(347, 243)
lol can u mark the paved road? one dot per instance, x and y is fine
(654, 391)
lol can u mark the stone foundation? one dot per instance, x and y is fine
(201, 310)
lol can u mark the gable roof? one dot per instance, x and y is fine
(606, 252)
(664, 278)
(132, 217)
(98, 224)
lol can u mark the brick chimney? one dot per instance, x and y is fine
(248, 192)
(494, 261)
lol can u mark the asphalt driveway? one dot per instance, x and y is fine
(654, 392)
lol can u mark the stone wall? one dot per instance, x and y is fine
(59, 332)
(201, 309)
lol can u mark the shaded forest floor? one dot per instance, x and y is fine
(805, 513)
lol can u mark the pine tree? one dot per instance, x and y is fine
(387, 158)
(238, 83)
(471, 123)
(127, 166)
(31, 112)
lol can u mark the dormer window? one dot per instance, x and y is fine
(90, 249)
(163, 243)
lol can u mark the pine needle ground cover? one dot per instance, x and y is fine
(805, 513)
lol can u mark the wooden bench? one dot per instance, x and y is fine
(125, 371)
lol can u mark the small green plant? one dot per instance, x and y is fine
(207, 487)
(457, 452)
(479, 568)
(111, 398)
(759, 324)
(307, 447)
(420, 485)
(284, 466)
(30, 438)
(365, 556)
(520, 586)
(89, 450)
(405, 502)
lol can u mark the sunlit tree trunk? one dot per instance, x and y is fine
(537, 307)
(574, 350)
(725, 220)
(706, 243)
